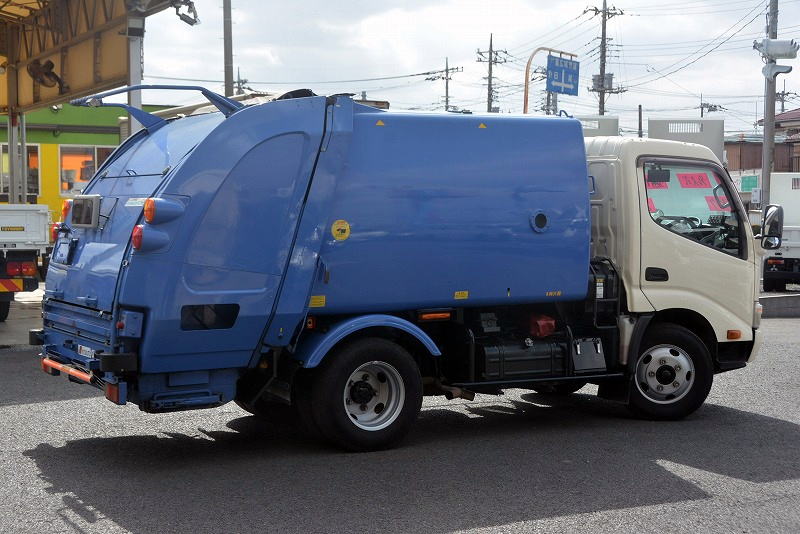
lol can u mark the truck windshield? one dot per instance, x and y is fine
(163, 148)
(695, 202)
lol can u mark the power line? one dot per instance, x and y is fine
(318, 82)
(695, 60)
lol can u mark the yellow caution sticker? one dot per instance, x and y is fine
(316, 301)
(340, 229)
(461, 295)
(481, 125)
(380, 123)
(12, 228)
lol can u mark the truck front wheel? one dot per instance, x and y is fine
(673, 374)
(5, 305)
(366, 395)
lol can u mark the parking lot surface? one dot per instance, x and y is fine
(70, 461)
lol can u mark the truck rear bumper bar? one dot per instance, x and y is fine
(53, 367)
(116, 392)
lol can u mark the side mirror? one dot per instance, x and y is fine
(772, 227)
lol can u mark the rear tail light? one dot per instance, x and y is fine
(28, 268)
(54, 228)
(136, 236)
(14, 268)
(149, 210)
(65, 207)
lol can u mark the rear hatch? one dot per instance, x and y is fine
(86, 262)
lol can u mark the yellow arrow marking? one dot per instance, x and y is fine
(379, 123)
(481, 125)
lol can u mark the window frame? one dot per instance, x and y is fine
(734, 199)
(72, 193)
(38, 172)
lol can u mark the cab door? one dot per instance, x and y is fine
(696, 252)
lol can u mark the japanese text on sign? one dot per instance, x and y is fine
(562, 75)
(694, 180)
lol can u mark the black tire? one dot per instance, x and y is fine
(665, 348)
(5, 305)
(275, 412)
(560, 388)
(329, 389)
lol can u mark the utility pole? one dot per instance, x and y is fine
(491, 57)
(599, 84)
(446, 76)
(489, 94)
(227, 36)
(640, 120)
(768, 146)
(783, 95)
(241, 83)
(446, 84)
(708, 106)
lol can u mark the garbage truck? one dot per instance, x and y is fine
(315, 257)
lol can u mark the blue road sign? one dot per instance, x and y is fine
(562, 75)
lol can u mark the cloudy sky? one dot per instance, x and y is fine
(666, 53)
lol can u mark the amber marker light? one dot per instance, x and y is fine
(149, 210)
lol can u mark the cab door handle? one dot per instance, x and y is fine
(656, 274)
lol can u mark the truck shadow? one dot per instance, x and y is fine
(488, 464)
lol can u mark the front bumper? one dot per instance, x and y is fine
(758, 339)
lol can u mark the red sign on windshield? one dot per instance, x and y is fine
(655, 185)
(694, 180)
(714, 204)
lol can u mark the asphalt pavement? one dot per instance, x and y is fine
(70, 461)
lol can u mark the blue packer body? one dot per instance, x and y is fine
(306, 205)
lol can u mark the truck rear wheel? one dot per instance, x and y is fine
(366, 395)
(5, 305)
(673, 374)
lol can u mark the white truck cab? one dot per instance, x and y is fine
(668, 216)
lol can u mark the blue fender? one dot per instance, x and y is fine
(313, 348)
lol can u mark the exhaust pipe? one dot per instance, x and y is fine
(451, 392)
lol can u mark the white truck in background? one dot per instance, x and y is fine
(24, 244)
(782, 265)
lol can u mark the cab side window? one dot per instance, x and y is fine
(694, 202)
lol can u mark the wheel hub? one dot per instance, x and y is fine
(361, 392)
(664, 374)
(374, 395)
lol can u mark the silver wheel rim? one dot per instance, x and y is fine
(374, 396)
(664, 374)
